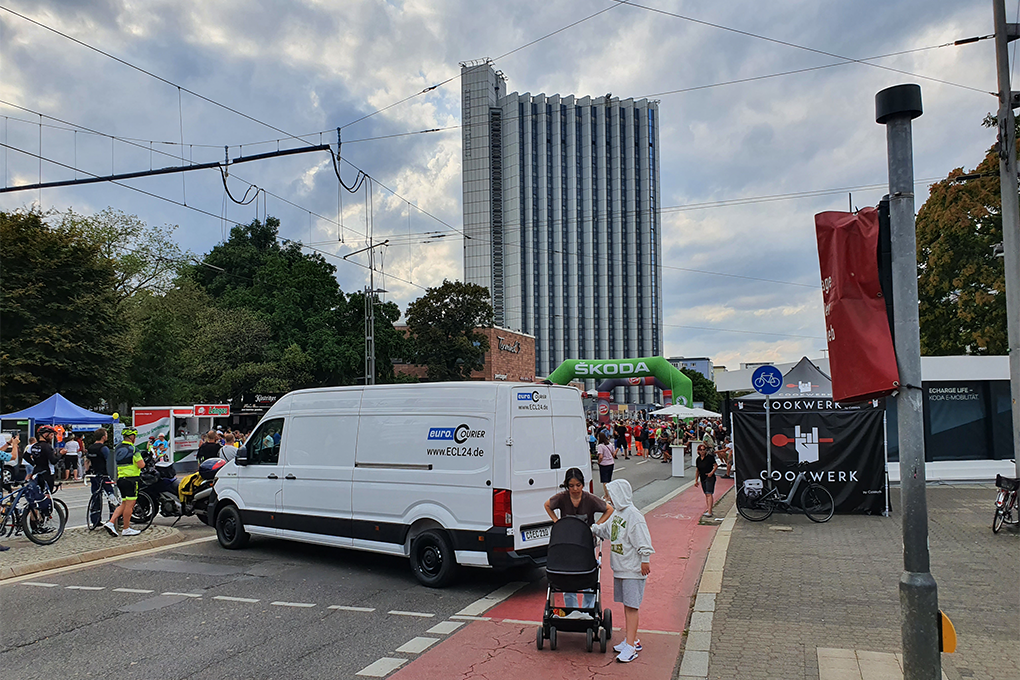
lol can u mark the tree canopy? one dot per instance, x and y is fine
(703, 389)
(961, 283)
(441, 324)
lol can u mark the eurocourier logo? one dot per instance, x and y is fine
(531, 401)
(807, 445)
(459, 434)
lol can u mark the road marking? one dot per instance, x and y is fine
(417, 645)
(293, 604)
(445, 627)
(85, 587)
(655, 632)
(132, 590)
(620, 469)
(185, 594)
(471, 618)
(486, 603)
(382, 667)
(423, 615)
(227, 598)
(346, 608)
(642, 462)
(526, 623)
(668, 497)
(41, 585)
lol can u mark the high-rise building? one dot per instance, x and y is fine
(561, 214)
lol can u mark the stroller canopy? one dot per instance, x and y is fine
(571, 548)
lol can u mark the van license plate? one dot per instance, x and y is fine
(535, 534)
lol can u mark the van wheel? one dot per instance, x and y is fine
(229, 529)
(432, 559)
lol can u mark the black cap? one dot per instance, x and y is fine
(899, 100)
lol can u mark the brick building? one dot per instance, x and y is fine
(511, 357)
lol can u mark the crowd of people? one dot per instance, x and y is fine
(626, 437)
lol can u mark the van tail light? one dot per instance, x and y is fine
(591, 486)
(502, 511)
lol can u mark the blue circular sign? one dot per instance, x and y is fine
(767, 379)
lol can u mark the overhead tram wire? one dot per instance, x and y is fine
(195, 209)
(454, 77)
(804, 47)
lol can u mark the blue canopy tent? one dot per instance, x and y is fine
(57, 410)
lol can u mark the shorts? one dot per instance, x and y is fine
(708, 484)
(629, 591)
(606, 473)
(128, 487)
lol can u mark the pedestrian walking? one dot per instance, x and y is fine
(630, 558)
(707, 466)
(606, 457)
(129, 469)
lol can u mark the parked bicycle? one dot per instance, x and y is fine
(32, 510)
(1005, 502)
(107, 495)
(756, 503)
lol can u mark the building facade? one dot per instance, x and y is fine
(561, 215)
(702, 365)
(511, 357)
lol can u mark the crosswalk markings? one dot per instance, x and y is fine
(464, 617)
(381, 667)
(417, 645)
(347, 608)
(397, 612)
(445, 627)
(293, 604)
(484, 604)
(227, 598)
(133, 590)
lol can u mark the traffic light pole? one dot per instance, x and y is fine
(1010, 212)
(895, 107)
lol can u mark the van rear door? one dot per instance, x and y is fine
(533, 477)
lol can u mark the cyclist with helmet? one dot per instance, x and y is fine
(44, 458)
(129, 469)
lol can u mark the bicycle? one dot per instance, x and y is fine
(1005, 502)
(42, 518)
(756, 504)
(767, 379)
(141, 516)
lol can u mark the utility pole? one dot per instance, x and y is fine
(370, 292)
(895, 107)
(1004, 33)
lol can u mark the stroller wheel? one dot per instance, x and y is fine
(552, 638)
(540, 641)
(607, 623)
(589, 640)
(602, 640)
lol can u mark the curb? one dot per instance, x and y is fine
(90, 556)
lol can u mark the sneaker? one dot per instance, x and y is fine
(4, 548)
(706, 514)
(619, 647)
(130, 532)
(112, 529)
(627, 655)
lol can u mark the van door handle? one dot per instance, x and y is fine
(272, 476)
(290, 477)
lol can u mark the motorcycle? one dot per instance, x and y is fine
(162, 493)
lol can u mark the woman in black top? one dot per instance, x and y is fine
(706, 477)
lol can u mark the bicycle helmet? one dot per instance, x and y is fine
(129, 432)
(43, 429)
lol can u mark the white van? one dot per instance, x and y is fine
(444, 473)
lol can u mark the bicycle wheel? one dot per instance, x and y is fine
(655, 452)
(997, 520)
(755, 509)
(144, 512)
(817, 503)
(94, 512)
(44, 528)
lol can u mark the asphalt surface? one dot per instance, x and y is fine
(199, 611)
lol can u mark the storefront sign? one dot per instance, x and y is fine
(512, 347)
(215, 410)
(499, 376)
(258, 403)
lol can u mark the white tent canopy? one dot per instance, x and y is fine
(685, 412)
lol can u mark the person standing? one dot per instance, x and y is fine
(707, 466)
(72, 449)
(161, 449)
(44, 458)
(228, 451)
(129, 469)
(606, 458)
(210, 448)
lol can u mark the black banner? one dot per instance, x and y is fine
(844, 447)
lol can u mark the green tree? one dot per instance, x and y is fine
(441, 324)
(61, 329)
(961, 284)
(703, 389)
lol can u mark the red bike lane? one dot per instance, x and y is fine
(503, 646)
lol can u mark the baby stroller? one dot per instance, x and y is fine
(572, 567)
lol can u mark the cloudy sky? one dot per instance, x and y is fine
(745, 165)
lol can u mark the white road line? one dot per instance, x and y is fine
(227, 598)
(85, 587)
(132, 590)
(382, 667)
(41, 585)
(306, 605)
(619, 469)
(655, 632)
(668, 497)
(463, 617)
(526, 623)
(445, 627)
(417, 645)
(397, 612)
(346, 608)
(642, 462)
(486, 603)
(184, 594)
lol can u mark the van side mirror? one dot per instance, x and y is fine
(241, 458)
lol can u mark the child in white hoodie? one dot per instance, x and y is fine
(630, 554)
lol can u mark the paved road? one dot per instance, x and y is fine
(198, 611)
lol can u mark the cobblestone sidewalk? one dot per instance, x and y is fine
(76, 546)
(785, 594)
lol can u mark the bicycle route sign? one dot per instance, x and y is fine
(767, 380)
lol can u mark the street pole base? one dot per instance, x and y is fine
(919, 607)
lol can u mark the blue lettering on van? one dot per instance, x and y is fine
(441, 433)
(524, 396)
